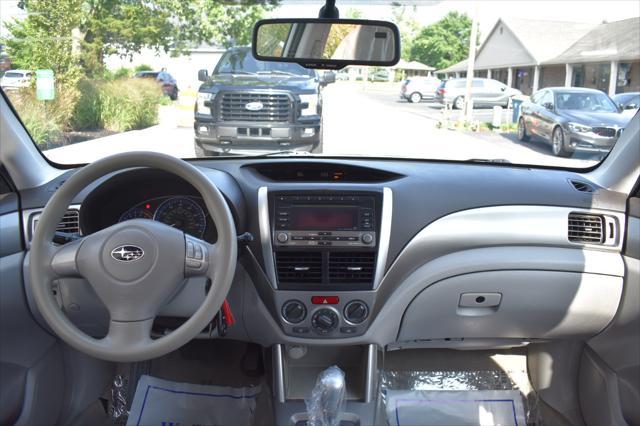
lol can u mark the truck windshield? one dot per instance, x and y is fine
(243, 62)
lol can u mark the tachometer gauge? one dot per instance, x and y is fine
(135, 213)
(184, 214)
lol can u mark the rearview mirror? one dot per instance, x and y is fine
(327, 43)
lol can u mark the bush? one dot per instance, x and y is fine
(46, 120)
(119, 105)
(142, 67)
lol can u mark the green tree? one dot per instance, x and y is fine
(232, 25)
(44, 40)
(444, 43)
(402, 16)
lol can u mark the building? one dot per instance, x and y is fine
(532, 54)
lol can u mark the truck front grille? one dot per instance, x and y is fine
(276, 107)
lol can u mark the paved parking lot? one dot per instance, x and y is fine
(361, 119)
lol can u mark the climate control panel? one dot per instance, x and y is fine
(334, 315)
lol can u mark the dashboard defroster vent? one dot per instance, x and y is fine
(299, 267)
(581, 186)
(586, 228)
(355, 267)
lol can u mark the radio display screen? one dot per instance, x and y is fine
(320, 218)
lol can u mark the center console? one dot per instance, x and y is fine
(324, 253)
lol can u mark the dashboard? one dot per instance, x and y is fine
(357, 250)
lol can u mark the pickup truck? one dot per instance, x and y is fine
(248, 106)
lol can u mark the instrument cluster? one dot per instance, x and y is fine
(186, 213)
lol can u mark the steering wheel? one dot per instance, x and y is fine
(134, 266)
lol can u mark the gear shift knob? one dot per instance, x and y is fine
(327, 398)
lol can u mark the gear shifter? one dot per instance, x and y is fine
(327, 398)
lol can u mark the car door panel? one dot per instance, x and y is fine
(31, 363)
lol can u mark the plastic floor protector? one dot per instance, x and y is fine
(455, 408)
(162, 402)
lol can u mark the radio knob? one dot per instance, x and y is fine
(367, 238)
(282, 237)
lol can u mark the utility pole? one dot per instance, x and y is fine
(468, 103)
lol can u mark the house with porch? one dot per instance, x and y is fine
(532, 54)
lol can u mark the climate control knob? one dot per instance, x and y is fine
(324, 321)
(367, 238)
(294, 311)
(356, 311)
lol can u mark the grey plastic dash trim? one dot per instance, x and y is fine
(265, 235)
(385, 235)
(372, 372)
(29, 214)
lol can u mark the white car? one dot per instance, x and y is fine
(415, 89)
(16, 79)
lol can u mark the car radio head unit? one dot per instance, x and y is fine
(324, 220)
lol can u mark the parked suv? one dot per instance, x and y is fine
(166, 80)
(415, 89)
(16, 79)
(251, 106)
(484, 92)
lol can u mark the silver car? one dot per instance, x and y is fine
(484, 92)
(415, 89)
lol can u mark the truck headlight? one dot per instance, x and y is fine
(312, 101)
(579, 128)
(202, 98)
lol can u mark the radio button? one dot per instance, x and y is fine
(282, 237)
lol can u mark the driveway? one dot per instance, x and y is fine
(360, 119)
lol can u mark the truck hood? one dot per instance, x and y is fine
(218, 82)
(596, 119)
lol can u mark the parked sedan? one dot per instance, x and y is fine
(484, 92)
(16, 79)
(572, 120)
(415, 89)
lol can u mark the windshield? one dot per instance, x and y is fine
(525, 83)
(585, 102)
(242, 61)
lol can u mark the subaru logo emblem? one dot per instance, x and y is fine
(127, 253)
(254, 106)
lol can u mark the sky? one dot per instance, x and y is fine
(430, 11)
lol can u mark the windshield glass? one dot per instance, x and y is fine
(242, 61)
(478, 81)
(585, 102)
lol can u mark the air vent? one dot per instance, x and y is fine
(351, 268)
(299, 267)
(586, 228)
(581, 186)
(70, 222)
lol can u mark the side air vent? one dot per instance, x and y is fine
(586, 228)
(352, 268)
(299, 267)
(70, 223)
(581, 186)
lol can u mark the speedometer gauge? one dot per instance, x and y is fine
(135, 213)
(184, 214)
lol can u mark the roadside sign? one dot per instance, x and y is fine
(45, 88)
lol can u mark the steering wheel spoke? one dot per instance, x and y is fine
(128, 334)
(64, 259)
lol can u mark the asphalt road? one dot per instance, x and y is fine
(359, 119)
